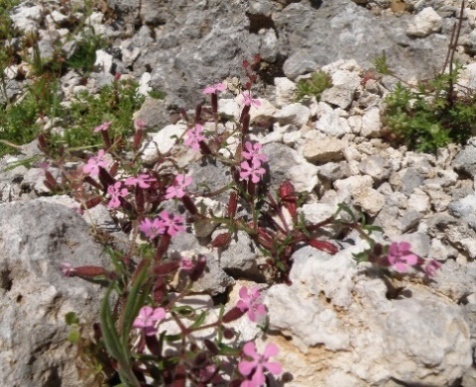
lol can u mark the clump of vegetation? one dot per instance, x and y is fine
(115, 103)
(313, 86)
(427, 118)
(18, 121)
(434, 113)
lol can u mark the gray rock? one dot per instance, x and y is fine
(427, 21)
(375, 166)
(465, 208)
(324, 149)
(240, 255)
(455, 281)
(339, 95)
(287, 164)
(426, 332)
(332, 122)
(410, 220)
(465, 160)
(153, 113)
(411, 178)
(35, 238)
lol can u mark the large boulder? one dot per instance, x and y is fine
(186, 45)
(35, 238)
(345, 330)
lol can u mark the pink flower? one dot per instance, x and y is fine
(251, 303)
(249, 101)
(254, 170)
(172, 223)
(103, 127)
(258, 364)
(93, 164)
(152, 229)
(177, 190)
(67, 269)
(252, 152)
(186, 264)
(400, 257)
(214, 88)
(148, 319)
(140, 124)
(194, 136)
(142, 180)
(432, 267)
(116, 191)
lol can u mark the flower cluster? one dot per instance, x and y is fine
(148, 318)
(401, 259)
(250, 303)
(165, 224)
(92, 166)
(194, 136)
(257, 365)
(177, 189)
(251, 167)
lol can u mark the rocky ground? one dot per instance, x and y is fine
(335, 325)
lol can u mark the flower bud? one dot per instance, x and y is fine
(232, 204)
(222, 240)
(323, 246)
(233, 314)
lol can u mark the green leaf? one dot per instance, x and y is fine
(71, 318)
(199, 321)
(135, 301)
(74, 336)
(114, 345)
(184, 310)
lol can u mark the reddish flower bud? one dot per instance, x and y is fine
(42, 141)
(204, 148)
(50, 179)
(198, 112)
(153, 345)
(159, 290)
(166, 268)
(212, 348)
(288, 197)
(88, 271)
(137, 139)
(245, 120)
(214, 102)
(228, 333)
(179, 376)
(232, 205)
(323, 245)
(92, 202)
(233, 314)
(199, 268)
(94, 183)
(139, 195)
(105, 178)
(189, 205)
(222, 240)
(162, 247)
(286, 190)
(117, 76)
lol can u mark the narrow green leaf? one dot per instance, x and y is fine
(199, 321)
(135, 300)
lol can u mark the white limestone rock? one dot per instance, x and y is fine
(162, 141)
(332, 122)
(426, 22)
(337, 316)
(284, 92)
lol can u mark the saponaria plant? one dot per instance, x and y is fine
(154, 334)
